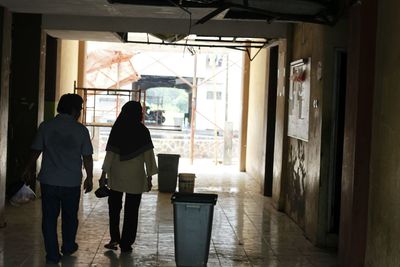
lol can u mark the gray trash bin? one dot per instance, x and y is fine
(193, 216)
(167, 172)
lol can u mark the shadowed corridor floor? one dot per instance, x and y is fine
(247, 230)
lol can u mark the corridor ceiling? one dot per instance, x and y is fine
(255, 18)
(318, 11)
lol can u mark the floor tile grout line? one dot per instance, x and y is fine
(216, 253)
(233, 230)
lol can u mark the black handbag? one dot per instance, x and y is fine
(102, 191)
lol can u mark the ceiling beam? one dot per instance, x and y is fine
(177, 26)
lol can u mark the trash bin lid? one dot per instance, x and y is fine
(194, 198)
(168, 155)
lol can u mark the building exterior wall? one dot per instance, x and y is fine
(256, 140)
(383, 230)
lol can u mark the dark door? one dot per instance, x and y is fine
(337, 142)
(271, 117)
(24, 91)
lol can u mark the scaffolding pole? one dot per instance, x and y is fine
(193, 118)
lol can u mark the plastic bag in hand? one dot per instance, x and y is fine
(23, 195)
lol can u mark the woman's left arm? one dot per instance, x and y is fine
(150, 162)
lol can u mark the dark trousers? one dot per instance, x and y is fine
(131, 212)
(54, 199)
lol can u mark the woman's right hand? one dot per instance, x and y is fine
(103, 179)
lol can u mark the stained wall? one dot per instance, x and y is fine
(383, 232)
(305, 178)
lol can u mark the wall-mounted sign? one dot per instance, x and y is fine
(299, 99)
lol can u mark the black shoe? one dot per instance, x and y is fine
(112, 245)
(52, 261)
(70, 252)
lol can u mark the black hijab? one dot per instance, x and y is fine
(129, 137)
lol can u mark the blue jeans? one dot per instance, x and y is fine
(54, 199)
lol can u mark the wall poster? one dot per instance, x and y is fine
(299, 99)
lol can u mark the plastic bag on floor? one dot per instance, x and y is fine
(23, 195)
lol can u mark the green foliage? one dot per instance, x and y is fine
(168, 99)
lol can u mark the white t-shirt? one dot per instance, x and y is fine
(63, 142)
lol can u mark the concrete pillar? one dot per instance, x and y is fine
(67, 67)
(5, 36)
(357, 132)
(25, 82)
(280, 144)
(245, 110)
(51, 78)
(42, 78)
(81, 64)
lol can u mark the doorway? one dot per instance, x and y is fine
(168, 79)
(271, 119)
(335, 178)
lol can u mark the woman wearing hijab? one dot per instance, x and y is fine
(129, 165)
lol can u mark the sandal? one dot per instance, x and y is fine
(112, 245)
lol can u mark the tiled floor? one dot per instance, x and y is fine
(247, 230)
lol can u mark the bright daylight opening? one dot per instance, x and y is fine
(191, 97)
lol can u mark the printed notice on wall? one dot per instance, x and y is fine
(299, 99)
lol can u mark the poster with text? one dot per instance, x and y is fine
(299, 99)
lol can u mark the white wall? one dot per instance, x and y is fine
(255, 162)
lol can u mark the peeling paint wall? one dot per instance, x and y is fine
(297, 174)
(280, 144)
(383, 234)
(303, 164)
(305, 180)
(295, 187)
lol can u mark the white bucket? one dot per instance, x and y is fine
(186, 182)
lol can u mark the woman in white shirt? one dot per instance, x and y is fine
(129, 165)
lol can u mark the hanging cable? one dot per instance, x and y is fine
(190, 19)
